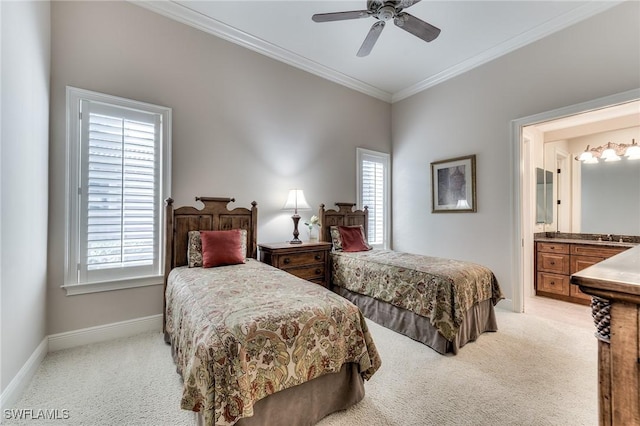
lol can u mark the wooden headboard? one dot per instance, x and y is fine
(344, 216)
(215, 216)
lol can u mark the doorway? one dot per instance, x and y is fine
(524, 227)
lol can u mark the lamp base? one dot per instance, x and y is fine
(296, 219)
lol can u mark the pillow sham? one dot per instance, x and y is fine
(355, 236)
(221, 248)
(353, 239)
(194, 247)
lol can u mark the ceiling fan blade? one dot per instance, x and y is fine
(407, 3)
(371, 39)
(417, 27)
(340, 16)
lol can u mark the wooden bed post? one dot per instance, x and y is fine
(168, 254)
(254, 228)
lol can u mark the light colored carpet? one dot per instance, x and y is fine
(533, 371)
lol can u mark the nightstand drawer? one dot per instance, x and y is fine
(308, 273)
(309, 261)
(287, 261)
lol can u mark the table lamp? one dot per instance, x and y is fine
(295, 202)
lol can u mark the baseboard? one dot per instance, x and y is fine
(102, 333)
(505, 304)
(18, 385)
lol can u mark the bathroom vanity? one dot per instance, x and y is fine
(560, 255)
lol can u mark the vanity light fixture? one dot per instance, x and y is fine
(610, 152)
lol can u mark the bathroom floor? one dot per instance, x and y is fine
(573, 313)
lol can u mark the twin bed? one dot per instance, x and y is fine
(442, 303)
(257, 346)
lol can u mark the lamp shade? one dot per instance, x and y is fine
(609, 154)
(296, 201)
(586, 155)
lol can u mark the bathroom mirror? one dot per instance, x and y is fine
(544, 196)
(610, 193)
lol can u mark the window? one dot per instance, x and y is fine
(117, 176)
(373, 192)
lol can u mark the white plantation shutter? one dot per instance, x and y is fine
(373, 189)
(372, 197)
(117, 231)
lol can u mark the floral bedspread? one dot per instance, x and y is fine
(240, 333)
(436, 288)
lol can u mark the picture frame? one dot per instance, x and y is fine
(453, 185)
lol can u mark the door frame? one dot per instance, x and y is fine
(521, 226)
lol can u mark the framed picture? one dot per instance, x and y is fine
(453, 185)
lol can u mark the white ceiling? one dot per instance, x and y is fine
(400, 64)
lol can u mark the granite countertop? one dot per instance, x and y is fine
(591, 239)
(589, 242)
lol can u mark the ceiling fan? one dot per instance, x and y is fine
(384, 11)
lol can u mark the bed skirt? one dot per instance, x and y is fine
(477, 320)
(308, 403)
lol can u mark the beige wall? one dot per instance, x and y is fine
(24, 86)
(472, 114)
(244, 126)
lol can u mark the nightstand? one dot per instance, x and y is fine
(307, 260)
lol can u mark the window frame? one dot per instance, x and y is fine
(363, 154)
(76, 162)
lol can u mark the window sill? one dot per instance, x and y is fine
(75, 289)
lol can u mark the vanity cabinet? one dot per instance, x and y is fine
(555, 262)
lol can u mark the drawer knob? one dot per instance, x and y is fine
(287, 260)
(318, 271)
(552, 263)
(552, 283)
(318, 257)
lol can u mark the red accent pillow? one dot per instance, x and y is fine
(221, 248)
(353, 239)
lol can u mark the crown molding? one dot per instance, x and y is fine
(212, 26)
(183, 14)
(561, 22)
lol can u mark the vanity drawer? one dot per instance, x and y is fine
(548, 247)
(578, 263)
(596, 250)
(551, 262)
(552, 283)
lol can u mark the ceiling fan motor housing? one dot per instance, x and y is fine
(386, 13)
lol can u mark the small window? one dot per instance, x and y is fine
(117, 176)
(373, 192)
